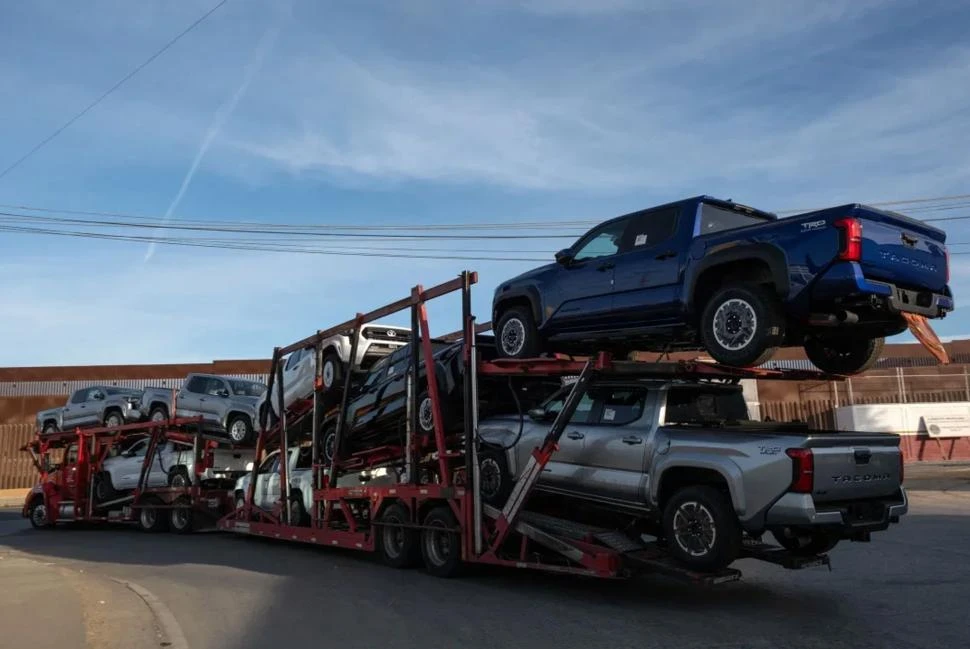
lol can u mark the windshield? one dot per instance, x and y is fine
(717, 219)
(247, 388)
(705, 404)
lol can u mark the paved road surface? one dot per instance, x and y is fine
(909, 588)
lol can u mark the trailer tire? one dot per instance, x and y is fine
(37, 513)
(331, 370)
(495, 483)
(399, 547)
(180, 517)
(150, 519)
(240, 429)
(701, 529)
(440, 544)
(298, 513)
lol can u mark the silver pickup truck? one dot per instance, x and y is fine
(226, 404)
(685, 463)
(96, 405)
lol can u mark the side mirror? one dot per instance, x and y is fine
(538, 414)
(564, 257)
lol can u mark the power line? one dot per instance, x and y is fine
(16, 163)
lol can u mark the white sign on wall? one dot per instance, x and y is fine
(930, 419)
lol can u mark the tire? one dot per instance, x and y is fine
(495, 483)
(399, 547)
(37, 513)
(179, 477)
(332, 370)
(113, 419)
(805, 545)
(239, 429)
(742, 325)
(50, 428)
(158, 414)
(103, 488)
(441, 549)
(843, 355)
(180, 519)
(327, 441)
(298, 514)
(516, 334)
(715, 542)
(151, 519)
(426, 416)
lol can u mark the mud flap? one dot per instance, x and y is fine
(920, 327)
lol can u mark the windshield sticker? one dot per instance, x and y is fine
(609, 414)
(640, 240)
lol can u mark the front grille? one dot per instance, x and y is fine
(390, 335)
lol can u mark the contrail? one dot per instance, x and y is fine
(222, 115)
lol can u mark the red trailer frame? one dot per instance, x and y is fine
(77, 481)
(445, 515)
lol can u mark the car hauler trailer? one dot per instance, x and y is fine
(434, 514)
(75, 488)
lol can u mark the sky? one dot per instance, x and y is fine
(434, 112)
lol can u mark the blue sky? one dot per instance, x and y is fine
(435, 112)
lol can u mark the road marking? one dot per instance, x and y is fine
(166, 620)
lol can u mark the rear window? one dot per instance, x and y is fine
(697, 404)
(247, 388)
(717, 219)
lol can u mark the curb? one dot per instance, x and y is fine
(166, 620)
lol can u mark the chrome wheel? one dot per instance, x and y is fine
(38, 515)
(489, 478)
(694, 529)
(513, 337)
(426, 415)
(238, 430)
(735, 324)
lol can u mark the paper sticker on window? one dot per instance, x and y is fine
(609, 414)
(640, 240)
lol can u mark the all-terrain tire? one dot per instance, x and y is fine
(701, 528)
(844, 354)
(516, 334)
(742, 325)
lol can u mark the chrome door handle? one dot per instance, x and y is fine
(632, 440)
(575, 435)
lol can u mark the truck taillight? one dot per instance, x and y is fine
(850, 239)
(803, 470)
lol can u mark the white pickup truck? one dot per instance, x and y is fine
(172, 465)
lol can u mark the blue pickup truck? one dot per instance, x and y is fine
(704, 273)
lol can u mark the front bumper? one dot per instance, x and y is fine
(132, 415)
(800, 510)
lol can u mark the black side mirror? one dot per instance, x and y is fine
(564, 257)
(539, 414)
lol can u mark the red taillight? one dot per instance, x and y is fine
(803, 470)
(851, 239)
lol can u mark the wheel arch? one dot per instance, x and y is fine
(679, 473)
(527, 296)
(770, 266)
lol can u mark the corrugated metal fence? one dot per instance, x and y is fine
(16, 469)
(64, 388)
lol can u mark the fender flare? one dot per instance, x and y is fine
(773, 256)
(726, 468)
(530, 293)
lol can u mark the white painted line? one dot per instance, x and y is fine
(166, 620)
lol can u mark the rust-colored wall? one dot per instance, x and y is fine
(21, 410)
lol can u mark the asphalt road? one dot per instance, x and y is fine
(908, 588)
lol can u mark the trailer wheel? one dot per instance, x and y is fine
(298, 514)
(38, 514)
(742, 325)
(701, 529)
(805, 544)
(180, 518)
(440, 543)
(398, 546)
(494, 481)
(150, 519)
(332, 369)
(240, 429)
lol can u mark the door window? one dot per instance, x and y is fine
(650, 228)
(139, 449)
(304, 458)
(215, 387)
(602, 242)
(95, 394)
(293, 360)
(617, 406)
(80, 396)
(197, 384)
(269, 464)
(583, 410)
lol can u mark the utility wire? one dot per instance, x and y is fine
(16, 163)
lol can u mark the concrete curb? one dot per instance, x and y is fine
(166, 620)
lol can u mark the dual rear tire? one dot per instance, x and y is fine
(436, 544)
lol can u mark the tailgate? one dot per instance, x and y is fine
(231, 460)
(901, 250)
(852, 467)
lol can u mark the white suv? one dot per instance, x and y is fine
(299, 369)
